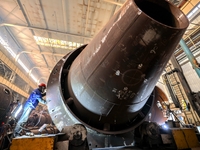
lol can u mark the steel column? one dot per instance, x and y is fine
(190, 56)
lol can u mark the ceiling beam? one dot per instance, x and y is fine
(113, 2)
(28, 20)
(39, 53)
(37, 67)
(64, 10)
(87, 16)
(46, 30)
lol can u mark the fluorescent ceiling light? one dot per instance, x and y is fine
(34, 78)
(7, 47)
(27, 70)
(56, 43)
(194, 10)
(23, 66)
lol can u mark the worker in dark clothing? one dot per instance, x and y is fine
(30, 104)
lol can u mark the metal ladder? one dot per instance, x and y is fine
(178, 92)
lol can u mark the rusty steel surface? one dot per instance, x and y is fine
(156, 114)
(108, 85)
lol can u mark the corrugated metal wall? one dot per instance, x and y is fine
(191, 77)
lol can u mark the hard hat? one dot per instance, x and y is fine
(42, 85)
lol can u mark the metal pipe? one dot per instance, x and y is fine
(45, 30)
(37, 67)
(37, 52)
(190, 56)
(108, 85)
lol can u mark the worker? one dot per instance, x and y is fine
(31, 103)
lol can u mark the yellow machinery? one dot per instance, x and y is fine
(185, 138)
(33, 143)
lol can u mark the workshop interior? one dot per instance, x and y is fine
(118, 74)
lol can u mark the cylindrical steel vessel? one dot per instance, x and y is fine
(108, 84)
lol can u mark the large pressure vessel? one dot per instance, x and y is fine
(108, 85)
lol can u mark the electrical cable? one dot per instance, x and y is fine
(39, 118)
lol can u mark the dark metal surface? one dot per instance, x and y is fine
(37, 118)
(5, 100)
(57, 104)
(49, 129)
(148, 135)
(108, 85)
(171, 92)
(156, 113)
(76, 135)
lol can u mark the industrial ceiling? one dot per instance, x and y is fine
(38, 33)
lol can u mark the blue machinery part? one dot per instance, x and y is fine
(190, 56)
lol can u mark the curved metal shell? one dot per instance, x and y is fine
(109, 84)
